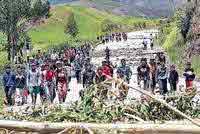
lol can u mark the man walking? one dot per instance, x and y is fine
(124, 71)
(152, 75)
(161, 77)
(143, 73)
(189, 76)
(88, 76)
(173, 78)
(9, 83)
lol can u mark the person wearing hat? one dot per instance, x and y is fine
(173, 78)
(161, 78)
(189, 76)
(143, 71)
(9, 83)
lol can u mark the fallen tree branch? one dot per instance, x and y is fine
(22, 126)
(156, 99)
(134, 117)
(167, 105)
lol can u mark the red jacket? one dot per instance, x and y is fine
(106, 70)
(50, 75)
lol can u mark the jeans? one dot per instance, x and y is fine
(163, 86)
(145, 82)
(152, 83)
(9, 91)
(78, 75)
(173, 86)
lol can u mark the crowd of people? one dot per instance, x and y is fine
(49, 74)
(156, 72)
(113, 37)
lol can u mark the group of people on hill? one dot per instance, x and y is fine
(113, 37)
(156, 72)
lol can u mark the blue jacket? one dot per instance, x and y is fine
(162, 73)
(124, 71)
(9, 79)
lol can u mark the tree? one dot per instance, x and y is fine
(108, 26)
(72, 27)
(14, 16)
(41, 8)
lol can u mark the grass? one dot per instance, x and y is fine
(1, 99)
(173, 42)
(89, 23)
(51, 32)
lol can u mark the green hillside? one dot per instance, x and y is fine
(50, 32)
(89, 23)
(172, 41)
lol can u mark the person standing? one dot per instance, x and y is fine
(9, 83)
(106, 70)
(152, 74)
(173, 78)
(88, 76)
(151, 41)
(20, 86)
(61, 82)
(50, 82)
(124, 71)
(145, 43)
(33, 82)
(161, 78)
(143, 73)
(78, 68)
(189, 76)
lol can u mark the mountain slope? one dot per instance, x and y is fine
(51, 32)
(145, 8)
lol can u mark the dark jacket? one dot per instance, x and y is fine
(143, 72)
(88, 78)
(20, 81)
(189, 77)
(9, 80)
(124, 71)
(173, 76)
